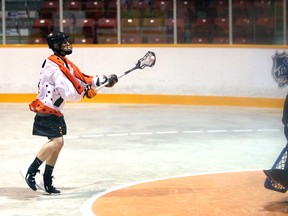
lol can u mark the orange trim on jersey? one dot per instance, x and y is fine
(39, 107)
(83, 77)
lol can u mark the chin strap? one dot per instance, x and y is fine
(61, 52)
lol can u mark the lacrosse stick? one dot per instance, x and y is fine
(147, 61)
(277, 176)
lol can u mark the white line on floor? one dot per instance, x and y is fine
(175, 132)
(166, 132)
(119, 134)
(92, 135)
(242, 130)
(194, 131)
(267, 130)
(217, 131)
(141, 133)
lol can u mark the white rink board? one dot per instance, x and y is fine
(202, 71)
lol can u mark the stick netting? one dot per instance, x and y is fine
(147, 61)
(280, 163)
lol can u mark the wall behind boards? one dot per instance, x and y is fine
(216, 71)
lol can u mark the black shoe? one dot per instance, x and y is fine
(49, 188)
(30, 179)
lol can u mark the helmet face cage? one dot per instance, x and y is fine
(59, 38)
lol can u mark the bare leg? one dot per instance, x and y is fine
(50, 151)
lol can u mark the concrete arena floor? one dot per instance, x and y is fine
(110, 145)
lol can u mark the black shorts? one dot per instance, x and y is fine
(50, 126)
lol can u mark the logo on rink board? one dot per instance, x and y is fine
(280, 69)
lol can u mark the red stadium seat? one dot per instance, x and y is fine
(243, 27)
(41, 27)
(200, 40)
(157, 39)
(262, 8)
(87, 25)
(36, 40)
(241, 7)
(73, 5)
(202, 28)
(130, 26)
(220, 40)
(131, 39)
(219, 8)
(106, 40)
(152, 26)
(221, 27)
(48, 8)
(83, 40)
(94, 9)
(242, 40)
(107, 23)
(264, 30)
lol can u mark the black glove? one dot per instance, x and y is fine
(112, 79)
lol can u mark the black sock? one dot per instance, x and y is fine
(48, 170)
(35, 165)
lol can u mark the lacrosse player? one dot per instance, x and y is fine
(277, 176)
(60, 81)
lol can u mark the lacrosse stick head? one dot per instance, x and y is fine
(148, 60)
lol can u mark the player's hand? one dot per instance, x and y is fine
(90, 92)
(112, 80)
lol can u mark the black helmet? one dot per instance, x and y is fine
(59, 38)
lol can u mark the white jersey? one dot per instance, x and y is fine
(54, 88)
